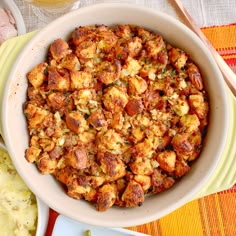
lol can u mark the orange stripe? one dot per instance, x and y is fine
(211, 215)
(221, 37)
(227, 203)
(219, 214)
(155, 228)
(204, 217)
(152, 228)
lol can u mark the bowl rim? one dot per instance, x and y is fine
(43, 217)
(198, 186)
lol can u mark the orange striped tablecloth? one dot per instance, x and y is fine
(213, 215)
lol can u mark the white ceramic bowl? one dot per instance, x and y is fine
(50, 191)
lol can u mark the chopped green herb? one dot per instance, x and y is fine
(46, 70)
(27, 115)
(163, 70)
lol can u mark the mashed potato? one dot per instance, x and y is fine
(18, 209)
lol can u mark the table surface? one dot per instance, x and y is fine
(204, 12)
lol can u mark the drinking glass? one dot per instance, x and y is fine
(48, 10)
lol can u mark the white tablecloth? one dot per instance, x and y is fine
(204, 12)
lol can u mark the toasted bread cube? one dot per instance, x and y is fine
(46, 164)
(141, 166)
(112, 166)
(57, 100)
(186, 145)
(181, 107)
(144, 34)
(109, 72)
(115, 99)
(133, 66)
(35, 115)
(59, 49)
(144, 181)
(81, 79)
(107, 39)
(56, 81)
(77, 158)
(181, 168)
(86, 50)
(182, 144)
(78, 187)
(154, 46)
(199, 106)
(65, 174)
(189, 122)
(46, 144)
(133, 194)
(97, 120)
(38, 75)
(135, 46)
(32, 154)
(91, 195)
(110, 139)
(76, 122)
(137, 85)
(178, 58)
(123, 31)
(144, 149)
(81, 34)
(117, 121)
(106, 197)
(137, 134)
(70, 62)
(167, 160)
(96, 181)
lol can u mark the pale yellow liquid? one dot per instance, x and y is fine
(51, 3)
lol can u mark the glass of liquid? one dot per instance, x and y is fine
(48, 10)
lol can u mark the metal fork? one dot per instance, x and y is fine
(228, 75)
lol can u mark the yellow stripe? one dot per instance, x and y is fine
(182, 222)
(229, 56)
(204, 217)
(149, 230)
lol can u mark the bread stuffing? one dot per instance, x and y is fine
(115, 114)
